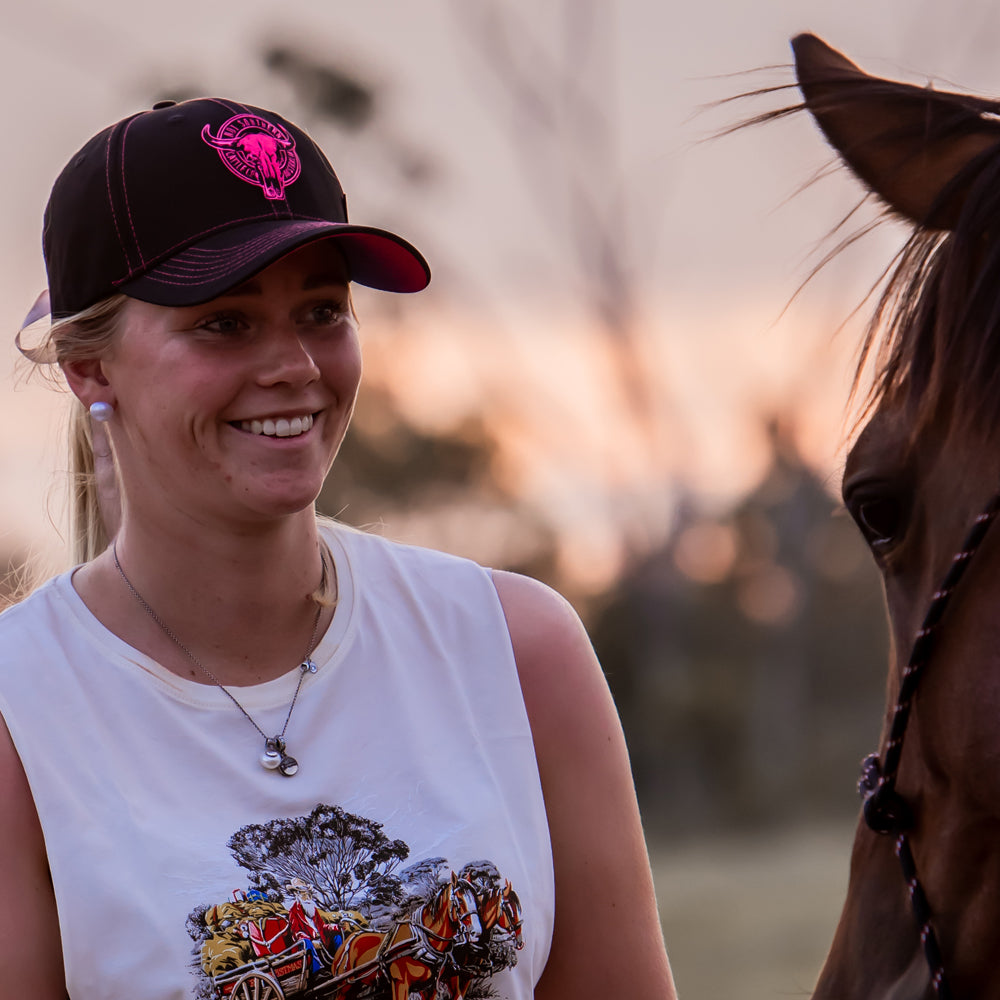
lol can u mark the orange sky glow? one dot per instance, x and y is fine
(716, 245)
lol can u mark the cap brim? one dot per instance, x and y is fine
(210, 267)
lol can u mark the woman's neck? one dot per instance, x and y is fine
(240, 601)
(269, 564)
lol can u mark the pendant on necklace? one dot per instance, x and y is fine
(274, 757)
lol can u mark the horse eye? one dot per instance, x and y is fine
(879, 518)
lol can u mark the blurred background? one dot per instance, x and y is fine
(611, 383)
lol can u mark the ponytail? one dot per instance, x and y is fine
(94, 503)
(95, 509)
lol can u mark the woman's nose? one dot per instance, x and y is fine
(286, 359)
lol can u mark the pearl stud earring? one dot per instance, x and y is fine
(101, 411)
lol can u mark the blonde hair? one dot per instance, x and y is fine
(84, 336)
(87, 522)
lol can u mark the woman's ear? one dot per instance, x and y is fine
(87, 380)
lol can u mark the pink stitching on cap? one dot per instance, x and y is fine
(233, 107)
(243, 251)
(210, 265)
(301, 227)
(257, 151)
(128, 209)
(111, 203)
(212, 230)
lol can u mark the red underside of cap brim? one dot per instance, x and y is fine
(207, 269)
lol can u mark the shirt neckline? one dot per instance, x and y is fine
(329, 650)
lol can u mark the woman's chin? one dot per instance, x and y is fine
(278, 503)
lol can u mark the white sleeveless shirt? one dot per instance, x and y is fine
(178, 861)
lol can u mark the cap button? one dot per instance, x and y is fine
(163, 104)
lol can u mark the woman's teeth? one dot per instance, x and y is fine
(281, 427)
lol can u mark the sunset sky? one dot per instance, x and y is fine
(710, 241)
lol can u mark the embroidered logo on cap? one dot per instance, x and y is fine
(258, 151)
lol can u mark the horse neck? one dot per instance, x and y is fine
(434, 915)
(876, 952)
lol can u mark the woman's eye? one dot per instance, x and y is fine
(329, 313)
(224, 323)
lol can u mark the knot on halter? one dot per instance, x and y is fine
(884, 809)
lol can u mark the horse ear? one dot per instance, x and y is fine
(910, 145)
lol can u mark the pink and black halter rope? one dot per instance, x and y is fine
(885, 810)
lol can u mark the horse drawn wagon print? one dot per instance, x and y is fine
(357, 929)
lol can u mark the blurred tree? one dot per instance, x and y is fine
(331, 94)
(555, 96)
(391, 474)
(748, 658)
(329, 90)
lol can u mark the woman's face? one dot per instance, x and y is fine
(235, 409)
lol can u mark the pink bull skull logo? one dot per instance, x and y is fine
(258, 151)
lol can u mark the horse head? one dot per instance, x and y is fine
(451, 916)
(923, 467)
(510, 914)
(464, 909)
(490, 900)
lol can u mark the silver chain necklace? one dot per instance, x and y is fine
(274, 756)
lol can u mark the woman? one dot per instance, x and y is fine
(232, 697)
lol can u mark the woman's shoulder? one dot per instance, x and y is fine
(550, 643)
(361, 545)
(35, 618)
(542, 611)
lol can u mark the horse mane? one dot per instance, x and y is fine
(932, 345)
(933, 342)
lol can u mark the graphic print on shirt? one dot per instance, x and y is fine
(330, 912)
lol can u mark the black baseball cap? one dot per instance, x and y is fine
(177, 205)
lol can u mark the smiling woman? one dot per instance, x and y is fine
(257, 384)
(458, 815)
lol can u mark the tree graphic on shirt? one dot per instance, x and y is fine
(348, 859)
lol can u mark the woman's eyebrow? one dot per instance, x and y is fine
(324, 280)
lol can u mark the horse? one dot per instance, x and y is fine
(509, 922)
(500, 933)
(411, 955)
(922, 911)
